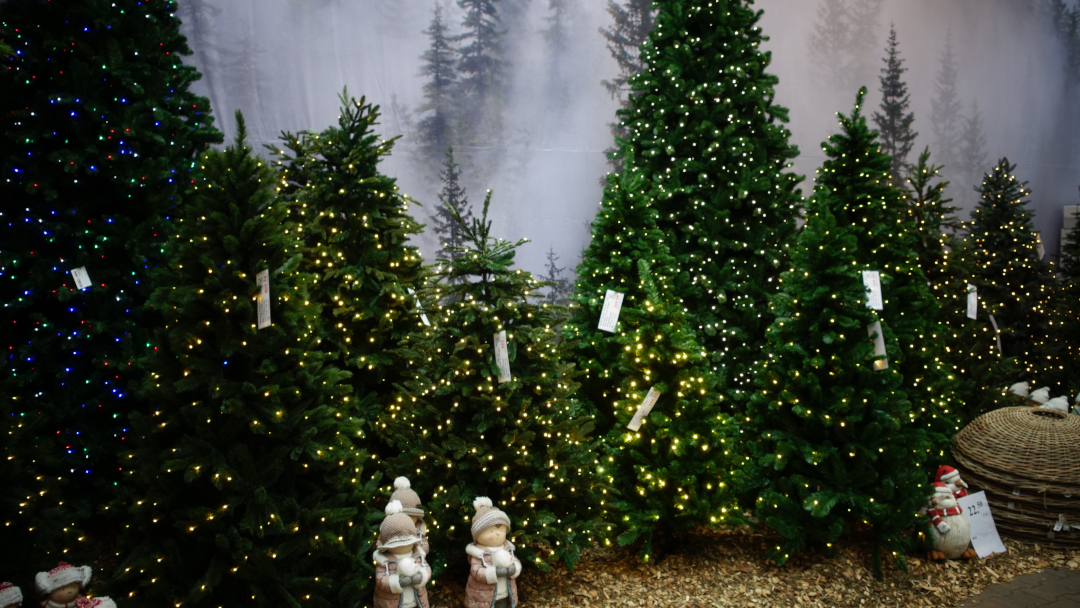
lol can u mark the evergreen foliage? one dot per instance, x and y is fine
(480, 63)
(439, 66)
(561, 287)
(946, 109)
(631, 23)
(524, 442)
(972, 151)
(246, 485)
(714, 154)
(894, 120)
(99, 132)
(843, 41)
(1061, 344)
(835, 445)
(1066, 22)
(1014, 281)
(1069, 255)
(856, 173)
(674, 471)
(453, 201)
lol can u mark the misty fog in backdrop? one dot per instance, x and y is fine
(541, 145)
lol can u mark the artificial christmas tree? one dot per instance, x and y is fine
(834, 441)
(480, 421)
(857, 174)
(246, 487)
(713, 152)
(100, 130)
(673, 470)
(353, 227)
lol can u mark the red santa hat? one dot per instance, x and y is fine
(10, 594)
(949, 475)
(61, 576)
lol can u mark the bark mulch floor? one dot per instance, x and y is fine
(728, 568)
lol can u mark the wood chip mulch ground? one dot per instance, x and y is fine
(728, 569)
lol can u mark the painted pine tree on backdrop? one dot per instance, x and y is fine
(714, 154)
(894, 120)
(246, 486)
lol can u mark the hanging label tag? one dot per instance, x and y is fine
(872, 280)
(82, 278)
(644, 409)
(262, 279)
(984, 534)
(874, 330)
(972, 302)
(423, 317)
(502, 357)
(609, 315)
(997, 332)
(1061, 523)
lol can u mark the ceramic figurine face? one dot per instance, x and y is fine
(65, 594)
(405, 550)
(494, 536)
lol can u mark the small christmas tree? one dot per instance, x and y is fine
(834, 441)
(245, 485)
(513, 430)
(1015, 282)
(857, 174)
(100, 131)
(353, 226)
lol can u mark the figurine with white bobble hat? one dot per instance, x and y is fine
(411, 506)
(10, 596)
(493, 567)
(62, 587)
(401, 570)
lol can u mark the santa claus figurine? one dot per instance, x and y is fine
(10, 596)
(951, 478)
(62, 587)
(950, 529)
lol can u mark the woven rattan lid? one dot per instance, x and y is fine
(1031, 443)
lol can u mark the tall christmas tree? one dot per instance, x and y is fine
(714, 153)
(894, 120)
(1015, 281)
(631, 23)
(481, 421)
(353, 227)
(99, 135)
(246, 486)
(857, 174)
(834, 441)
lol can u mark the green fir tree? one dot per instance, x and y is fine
(714, 155)
(246, 486)
(631, 23)
(462, 433)
(857, 175)
(100, 131)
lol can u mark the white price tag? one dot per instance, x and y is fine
(644, 409)
(609, 315)
(874, 330)
(82, 279)
(984, 534)
(872, 280)
(997, 332)
(262, 279)
(972, 302)
(502, 357)
(423, 316)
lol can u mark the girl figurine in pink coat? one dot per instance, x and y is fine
(492, 565)
(400, 568)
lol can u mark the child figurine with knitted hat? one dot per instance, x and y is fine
(10, 596)
(411, 506)
(492, 565)
(62, 587)
(400, 568)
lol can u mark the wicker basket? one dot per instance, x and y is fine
(1028, 462)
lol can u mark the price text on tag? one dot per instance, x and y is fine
(82, 278)
(502, 357)
(879, 345)
(423, 316)
(262, 279)
(644, 409)
(872, 280)
(984, 534)
(972, 302)
(609, 315)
